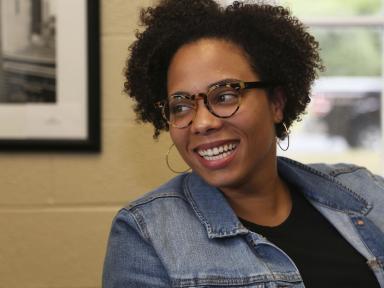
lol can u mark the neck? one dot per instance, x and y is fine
(265, 200)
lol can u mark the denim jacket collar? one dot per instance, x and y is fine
(322, 188)
(220, 220)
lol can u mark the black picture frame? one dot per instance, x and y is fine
(90, 140)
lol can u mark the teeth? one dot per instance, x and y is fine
(217, 152)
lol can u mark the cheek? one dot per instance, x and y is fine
(252, 118)
(257, 124)
(178, 137)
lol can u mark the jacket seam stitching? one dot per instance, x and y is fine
(194, 207)
(350, 169)
(249, 239)
(261, 280)
(145, 201)
(140, 222)
(345, 211)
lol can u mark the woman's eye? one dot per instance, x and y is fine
(226, 98)
(180, 108)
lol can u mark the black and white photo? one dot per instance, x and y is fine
(49, 88)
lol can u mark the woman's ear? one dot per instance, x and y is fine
(278, 104)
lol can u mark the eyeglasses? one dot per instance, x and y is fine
(222, 100)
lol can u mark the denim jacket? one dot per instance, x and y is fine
(185, 234)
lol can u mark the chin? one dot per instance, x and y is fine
(221, 180)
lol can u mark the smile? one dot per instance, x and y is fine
(218, 152)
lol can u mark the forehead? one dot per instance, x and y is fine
(198, 64)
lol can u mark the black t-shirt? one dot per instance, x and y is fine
(323, 257)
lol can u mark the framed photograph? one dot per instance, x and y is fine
(49, 75)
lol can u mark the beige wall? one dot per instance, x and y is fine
(56, 209)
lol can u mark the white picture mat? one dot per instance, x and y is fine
(67, 118)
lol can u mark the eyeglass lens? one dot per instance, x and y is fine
(222, 101)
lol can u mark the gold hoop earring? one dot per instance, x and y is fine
(167, 161)
(287, 134)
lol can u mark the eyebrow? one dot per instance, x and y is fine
(221, 82)
(224, 81)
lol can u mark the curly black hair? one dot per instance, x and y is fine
(279, 48)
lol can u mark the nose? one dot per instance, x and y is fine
(204, 121)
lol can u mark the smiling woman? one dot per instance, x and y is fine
(227, 82)
(194, 67)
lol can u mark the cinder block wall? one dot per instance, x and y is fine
(56, 209)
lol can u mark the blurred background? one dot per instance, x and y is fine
(344, 119)
(56, 209)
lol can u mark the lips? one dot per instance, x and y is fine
(216, 155)
(218, 152)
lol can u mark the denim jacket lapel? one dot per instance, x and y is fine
(344, 208)
(212, 208)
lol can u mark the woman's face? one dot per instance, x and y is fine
(248, 136)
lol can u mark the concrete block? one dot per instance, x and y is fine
(115, 103)
(121, 16)
(51, 248)
(25, 179)
(131, 164)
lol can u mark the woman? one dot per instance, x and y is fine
(226, 83)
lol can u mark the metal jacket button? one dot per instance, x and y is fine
(360, 222)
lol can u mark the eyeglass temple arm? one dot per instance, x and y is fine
(258, 84)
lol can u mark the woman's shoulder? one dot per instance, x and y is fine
(163, 210)
(340, 171)
(350, 174)
(165, 204)
(355, 178)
